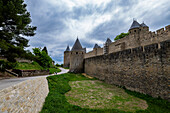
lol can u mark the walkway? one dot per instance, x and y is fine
(10, 82)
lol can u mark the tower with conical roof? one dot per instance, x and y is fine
(106, 46)
(67, 57)
(137, 32)
(77, 57)
(137, 28)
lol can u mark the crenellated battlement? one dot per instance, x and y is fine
(137, 37)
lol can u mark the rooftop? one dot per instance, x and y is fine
(77, 46)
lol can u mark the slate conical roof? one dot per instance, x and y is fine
(144, 25)
(77, 46)
(108, 41)
(67, 49)
(135, 24)
(96, 46)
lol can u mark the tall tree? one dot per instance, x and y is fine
(42, 58)
(45, 49)
(14, 26)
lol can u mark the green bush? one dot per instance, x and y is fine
(121, 36)
(54, 69)
(42, 58)
(6, 65)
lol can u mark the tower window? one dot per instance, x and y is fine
(134, 30)
(76, 52)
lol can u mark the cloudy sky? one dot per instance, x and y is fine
(59, 22)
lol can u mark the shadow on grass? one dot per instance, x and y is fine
(56, 101)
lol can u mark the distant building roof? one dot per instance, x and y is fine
(135, 24)
(67, 49)
(144, 25)
(96, 46)
(77, 46)
(108, 41)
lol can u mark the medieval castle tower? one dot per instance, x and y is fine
(74, 58)
(139, 36)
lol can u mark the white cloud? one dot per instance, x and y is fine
(58, 27)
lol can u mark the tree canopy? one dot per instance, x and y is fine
(45, 49)
(14, 26)
(42, 58)
(121, 36)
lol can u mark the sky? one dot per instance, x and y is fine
(59, 22)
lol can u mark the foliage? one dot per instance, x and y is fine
(28, 66)
(58, 65)
(42, 58)
(54, 69)
(6, 65)
(14, 26)
(45, 49)
(61, 65)
(121, 36)
(57, 103)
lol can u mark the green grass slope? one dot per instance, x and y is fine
(28, 66)
(56, 101)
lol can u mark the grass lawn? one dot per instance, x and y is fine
(35, 66)
(70, 93)
(29, 66)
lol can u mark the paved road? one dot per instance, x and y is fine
(10, 82)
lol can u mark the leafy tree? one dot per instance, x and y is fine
(14, 26)
(42, 58)
(45, 49)
(121, 36)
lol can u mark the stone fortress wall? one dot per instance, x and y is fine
(95, 52)
(140, 62)
(141, 37)
(145, 70)
(25, 97)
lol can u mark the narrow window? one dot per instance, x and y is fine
(134, 30)
(76, 52)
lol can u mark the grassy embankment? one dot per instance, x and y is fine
(76, 93)
(35, 66)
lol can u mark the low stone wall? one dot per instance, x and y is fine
(25, 73)
(143, 69)
(25, 97)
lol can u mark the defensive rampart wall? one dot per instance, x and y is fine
(133, 40)
(145, 69)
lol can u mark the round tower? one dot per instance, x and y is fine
(67, 57)
(134, 29)
(144, 28)
(77, 58)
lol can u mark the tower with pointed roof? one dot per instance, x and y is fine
(77, 57)
(137, 28)
(137, 32)
(67, 57)
(106, 46)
